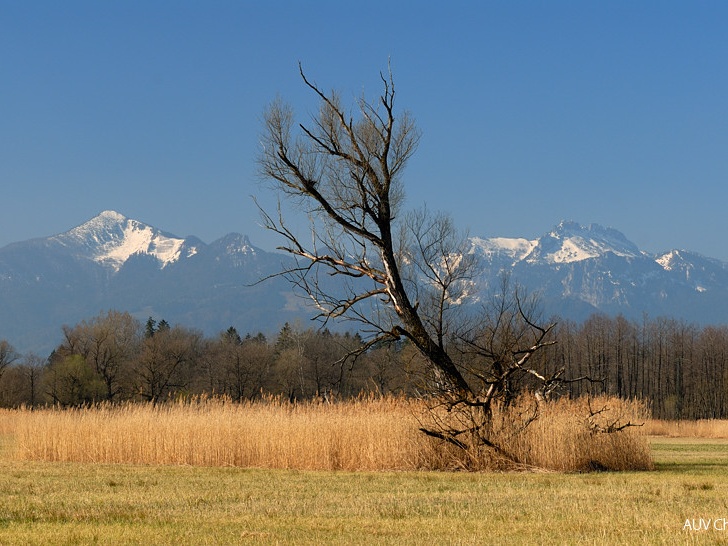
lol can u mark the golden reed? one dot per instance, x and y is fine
(362, 434)
(702, 428)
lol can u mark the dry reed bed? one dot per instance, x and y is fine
(564, 437)
(367, 434)
(357, 435)
(702, 428)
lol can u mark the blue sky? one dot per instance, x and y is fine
(531, 112)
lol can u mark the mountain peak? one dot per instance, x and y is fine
(111, 238)
(235, 247)
(513, 249)
(572, 242)
(112, 216)
(106, 220)
(569, 228)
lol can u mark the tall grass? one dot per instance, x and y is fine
(568, 435)
(356, 435)
(365, 434)
(702, 428)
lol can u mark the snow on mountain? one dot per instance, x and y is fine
(111, 239)
(578, 270)
(571, 242)
(568, 242)
(702, 273)
(113, 262)
(671, 260)
(234, 243)
(514, 248)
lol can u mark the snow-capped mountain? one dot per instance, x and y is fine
(111, 239)
(570, 242)
(567, 242)
(503, 248)
(114, 262)
(579, 270)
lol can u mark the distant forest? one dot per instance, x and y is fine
(679, 369)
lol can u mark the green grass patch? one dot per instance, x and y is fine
(690, 454)
(69, 503)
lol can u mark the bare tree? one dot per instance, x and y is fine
(8, 355)
(406, 275)
(21, 385)
(346, 174)
(107, 342)
(166, 362)
(499, 351)
(241, 366)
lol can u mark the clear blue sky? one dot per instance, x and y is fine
(532, 112)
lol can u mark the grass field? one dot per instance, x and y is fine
(57, 502)
(73, 503)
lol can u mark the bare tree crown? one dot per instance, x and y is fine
(344, 167)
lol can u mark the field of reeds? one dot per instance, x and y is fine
(702, 428)
(364, 434)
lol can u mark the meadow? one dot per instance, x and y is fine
(61, 494)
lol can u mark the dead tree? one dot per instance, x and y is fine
(403, 275)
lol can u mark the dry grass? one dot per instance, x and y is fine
(703, 428)
(357, 435)
(567, 436)
(79, 504)
(564, 440)
(367, 434)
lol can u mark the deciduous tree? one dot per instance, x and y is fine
(402, 275)
(8, 355)
(108, 343)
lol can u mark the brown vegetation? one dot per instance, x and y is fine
(362, 434)
(702, 428)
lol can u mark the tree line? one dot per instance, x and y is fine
(114, 357)
(680, 369)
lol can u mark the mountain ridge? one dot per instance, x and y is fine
(114, 262)
(567, 242)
